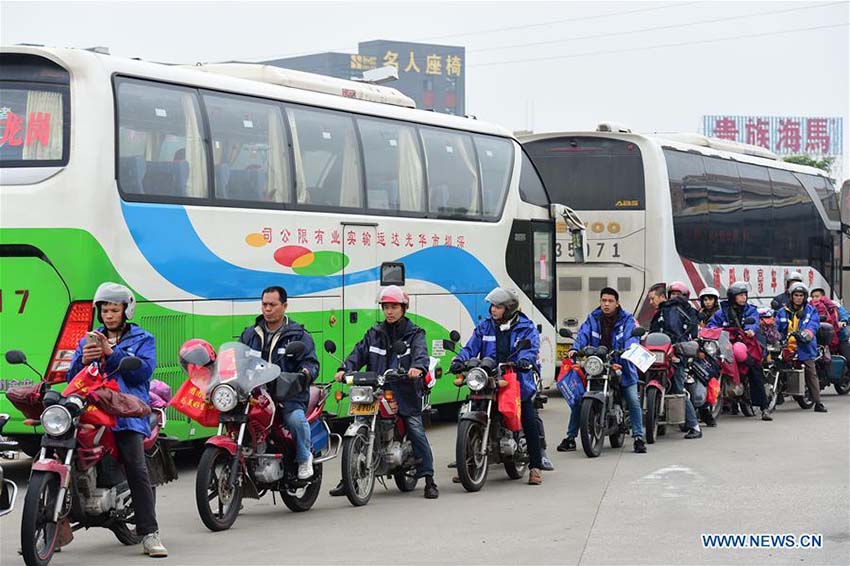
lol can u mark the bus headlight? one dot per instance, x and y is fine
(476, 379)
(594, 366)
(224, 398)
(56, 420)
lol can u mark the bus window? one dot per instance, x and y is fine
(531, 188)
(453, 187)
(724, 208)
(160, 148)
(495, 156)
(825, 192)
(757, 214)
(587, 173)
(395, 180)
(689, 198)
(327, 159)
(250, 151)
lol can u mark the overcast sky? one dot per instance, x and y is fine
(591, 61)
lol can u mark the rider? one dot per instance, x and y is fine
(611, 326)
(732, 314)
(819, 294)
(676, 318)
(269, 335)
(785, 297)
(375, 351)
(709, 301)
(495, 338)
(799, 322)
(117, 339)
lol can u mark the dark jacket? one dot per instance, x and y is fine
(782, 298)
(255, 337)
(808, 319)
(677, 319)
(590, 334)
(482, 344)
(725, 317)
(375, 352)
(134, 342)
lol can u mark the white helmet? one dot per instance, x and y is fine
(709, 292)
(798, 288)
(115, 293)
(793, 276)
(504, 298)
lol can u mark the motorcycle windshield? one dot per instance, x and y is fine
(726, 351)
(238, 366)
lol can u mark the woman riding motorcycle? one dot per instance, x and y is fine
(709, 302)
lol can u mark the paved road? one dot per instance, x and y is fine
(746, 476)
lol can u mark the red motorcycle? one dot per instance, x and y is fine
(253, 452)
(76, 481)
(661, 407)
(735, 383)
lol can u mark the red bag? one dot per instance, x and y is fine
(712, 391)
(510, 402)
(26, 399)
(98, 417)
(84, 384)
(190, 401)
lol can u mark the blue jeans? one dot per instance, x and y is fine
(299, 428)
(679, 387)
(421, 448)
(630, 396)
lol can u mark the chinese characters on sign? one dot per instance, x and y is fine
(16, 133)
(784, 135)
(362, 238)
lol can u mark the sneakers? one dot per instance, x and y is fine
(431, 491)
(338, 490)
(153, 546)
(567, 445)
(640, 446)
(305, 469)
(709, 420)
(819, 408)
(547, 463)
(693, 433)
(534, 477)
(765, 416)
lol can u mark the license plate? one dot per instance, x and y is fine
(369, 409)
(562, 351)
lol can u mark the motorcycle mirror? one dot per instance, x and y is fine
(16, 357)
(774, 304)
(295, 349)
(399, 347)
(129, 363)
(454, 336)
(638, 331)
(330, 347)
(565, 333)
(749, 320)
(449, 345)
(522, 344)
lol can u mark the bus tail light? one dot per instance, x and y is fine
(77, 322)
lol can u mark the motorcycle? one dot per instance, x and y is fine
(75, 480)
(252, 452)
(375, 445)
(784, 374)
(8, 489)
(831, 366)
(735, 383)
(713, 360)
(482, 435)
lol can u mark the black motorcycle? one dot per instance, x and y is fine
(8, 489)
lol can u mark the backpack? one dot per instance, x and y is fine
(828, 313)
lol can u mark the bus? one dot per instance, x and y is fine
(666, 207)
(199, 186)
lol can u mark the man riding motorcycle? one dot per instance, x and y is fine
(117, 339)
(495, 338)
(375, 351)
(676, 318)
(611, 326)
(785, 297)
(270, 334)
(732, 314)
(800, 321)
(709, 301)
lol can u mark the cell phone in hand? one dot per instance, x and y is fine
(91, 338)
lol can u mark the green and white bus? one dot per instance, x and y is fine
(197, 187)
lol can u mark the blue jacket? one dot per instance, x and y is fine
(375, 351)
(844, 317)
(590, 334)
(809, 321)
(135, 342)
(254, 337)
(677, 319)
(482, 344)
(724, 317)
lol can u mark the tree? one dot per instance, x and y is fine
(824, 164)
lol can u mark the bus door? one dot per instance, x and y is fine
(361, 276)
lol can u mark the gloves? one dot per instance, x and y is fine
(525, 365)
(456, 366)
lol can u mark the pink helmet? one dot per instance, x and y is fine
(680, 287)
(393, 294)
(740, 351)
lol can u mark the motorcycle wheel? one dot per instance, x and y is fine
(747, 408)
(211, 483)
(591, 428)
(125, 534)
(357, 480)
(516, 466)
(805, 401)
(405, 479)
(843, 387)
(38, 531)
(471, 457)
(618, 438)
(303, 498)
(651, 418)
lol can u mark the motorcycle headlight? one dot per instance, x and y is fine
(711, 348)
(361, 395)
(659, 357)
(56, 420)
(476, 379)
(224, 398)
(594, 366)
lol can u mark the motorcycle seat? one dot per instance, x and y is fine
(316, 396)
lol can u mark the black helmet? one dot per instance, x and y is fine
(737, 288)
